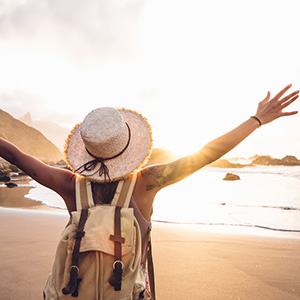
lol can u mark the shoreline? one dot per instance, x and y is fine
(14, 198)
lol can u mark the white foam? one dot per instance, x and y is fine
(45, 195)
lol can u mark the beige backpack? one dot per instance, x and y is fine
(99, 253)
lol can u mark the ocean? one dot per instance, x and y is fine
(265, 199)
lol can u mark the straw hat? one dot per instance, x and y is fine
(109, 145)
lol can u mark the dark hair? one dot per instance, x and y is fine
(104, 192)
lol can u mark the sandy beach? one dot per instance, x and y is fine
(191, 262)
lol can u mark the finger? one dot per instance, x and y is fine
(284, 114)
(288, 97)
(267, 97)
(289, 102)
(282, 92)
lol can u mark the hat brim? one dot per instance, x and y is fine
(134, 157)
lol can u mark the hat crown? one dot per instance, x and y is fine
(104, 132)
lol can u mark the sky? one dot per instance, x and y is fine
(195, 69)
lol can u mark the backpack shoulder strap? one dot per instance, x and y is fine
(83, 201)
(124, 191)
(120, 200)
(84, 197)
(150, 264)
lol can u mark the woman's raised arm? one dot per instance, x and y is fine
(59, 180)
(159, 176)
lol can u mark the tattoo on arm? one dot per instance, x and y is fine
(165, 174)
(162, 175)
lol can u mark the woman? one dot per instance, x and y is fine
(153, 178)
(122, 147)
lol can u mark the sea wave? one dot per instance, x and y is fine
(46, 196)
(288, 171)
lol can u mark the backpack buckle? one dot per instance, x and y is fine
(116, 279)
(118, 264)
(76, 269)
(74, 282)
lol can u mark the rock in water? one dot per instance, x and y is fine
(4, 178)
(231, 176)
(11, 184)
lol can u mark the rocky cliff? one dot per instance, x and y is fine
(28, 139)
(51, 130)
(264, 160)
(267, 160)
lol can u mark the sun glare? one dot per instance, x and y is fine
(186, 73)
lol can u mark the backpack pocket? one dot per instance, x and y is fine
(99, 227)
(139, 289)
(50, 292)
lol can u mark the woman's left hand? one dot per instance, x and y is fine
(270, 109)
